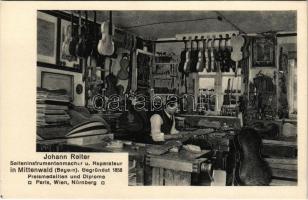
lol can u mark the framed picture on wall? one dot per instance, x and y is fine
(46, 38)
(263, 52)
(55, 81)
(66, 60)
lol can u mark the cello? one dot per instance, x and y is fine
(250, 168)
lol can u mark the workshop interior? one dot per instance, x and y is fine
(196, 98)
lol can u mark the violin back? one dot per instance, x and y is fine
(237, 42)
(105, 45)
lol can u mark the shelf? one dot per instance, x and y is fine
(164, 77)
(215, 73)
(163, 94)
(170, 63)
(100, 69)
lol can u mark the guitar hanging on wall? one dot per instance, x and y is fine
(106, 45)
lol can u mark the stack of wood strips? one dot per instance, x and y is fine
(284, 171)
(281, 155)
(52, 108)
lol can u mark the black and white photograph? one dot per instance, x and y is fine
(196, 98)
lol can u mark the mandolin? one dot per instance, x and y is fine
(188, 61)
(106, 45)
(237, 42)
(200, 63)
(74, 41)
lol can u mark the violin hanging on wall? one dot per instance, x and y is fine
(212, 53)
(94, 53)
(237, 43)
(74, 41)
(209, 55)
(206, 55)
(201, 60)
(83, 48)
(188, 62)
(194, 56)
(68, 37)
(81, 36)
(106, 45)
(227, 62)
(183, 58)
